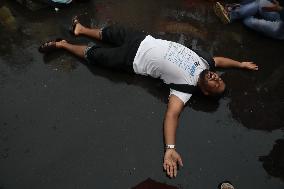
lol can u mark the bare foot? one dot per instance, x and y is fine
(77, 27)
(51, 45)
(60, 44)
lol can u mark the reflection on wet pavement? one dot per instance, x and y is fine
(273, 163)
(58, 103)
(263, 100)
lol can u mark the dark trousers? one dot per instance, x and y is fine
(120, 56)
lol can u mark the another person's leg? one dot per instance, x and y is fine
(274, 29)
(244, 11)
(272, 16)
(232, 12)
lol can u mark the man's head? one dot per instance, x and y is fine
(211, 83)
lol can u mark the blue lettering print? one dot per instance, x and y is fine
(182, 57)
(192, 70)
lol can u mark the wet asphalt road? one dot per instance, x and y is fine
(67, 125)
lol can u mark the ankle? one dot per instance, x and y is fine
(79, 29)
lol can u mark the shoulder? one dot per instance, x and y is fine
(183, 97)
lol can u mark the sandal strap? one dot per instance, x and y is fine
(48, 46)
(75, 21)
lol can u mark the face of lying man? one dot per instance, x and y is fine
(213, 84)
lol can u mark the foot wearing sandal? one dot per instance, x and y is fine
(76, 27)
(222, 13)
(232, 6)
(51, 46)
(226, 185)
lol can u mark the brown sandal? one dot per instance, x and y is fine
(75, 21)
(48, 46)
(222, 13)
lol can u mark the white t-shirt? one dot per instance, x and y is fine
(169, 61)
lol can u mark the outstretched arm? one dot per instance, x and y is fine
(222, 62)
(171, 158)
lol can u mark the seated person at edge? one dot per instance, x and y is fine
(60, 3)
(264, 16)
(182, 69)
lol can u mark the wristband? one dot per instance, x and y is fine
(170, 146)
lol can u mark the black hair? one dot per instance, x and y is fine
(202, 82)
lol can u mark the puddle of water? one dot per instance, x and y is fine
(255, 100)
(273, 163)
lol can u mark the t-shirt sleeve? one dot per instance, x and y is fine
(182, 96)
(207, 57)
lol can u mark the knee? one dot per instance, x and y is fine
(249, 22)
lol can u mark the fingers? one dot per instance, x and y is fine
(168, 170)
(172, 171)
(168, 166)
(253, 67)
(180, 161)
(250, 65)
(171, 168)
(171, 162)
(165, 166)
(175, 169)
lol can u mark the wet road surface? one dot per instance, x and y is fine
(67, 125)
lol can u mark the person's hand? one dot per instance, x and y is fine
(249, 66)
(275, 7)
(171, 161)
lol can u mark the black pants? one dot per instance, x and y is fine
(125, 45)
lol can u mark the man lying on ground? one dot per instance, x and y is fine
(182, 69)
